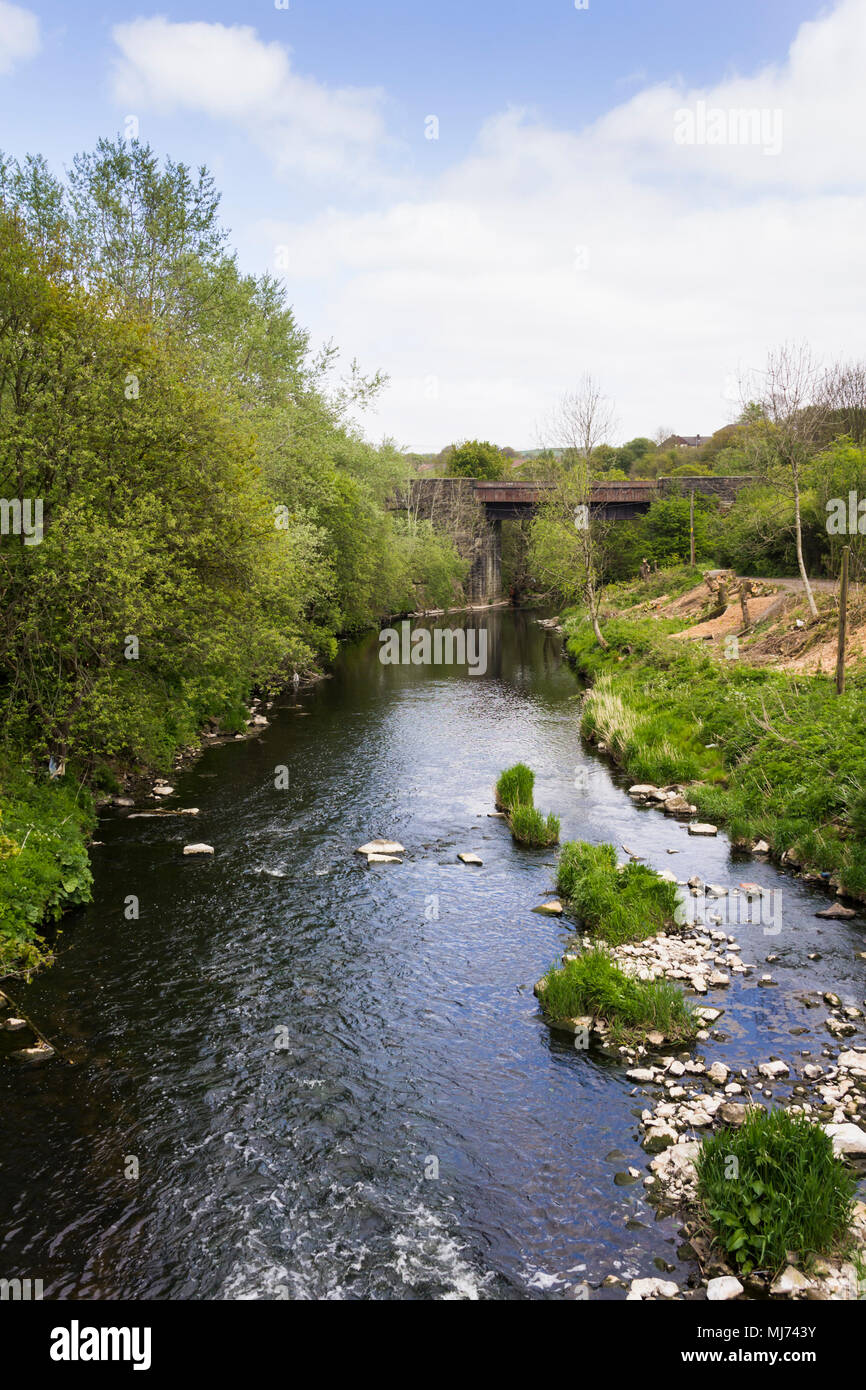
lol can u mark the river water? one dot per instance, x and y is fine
(333, 1080)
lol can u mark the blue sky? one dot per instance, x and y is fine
(554, 226)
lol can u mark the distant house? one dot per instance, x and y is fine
(684, 441)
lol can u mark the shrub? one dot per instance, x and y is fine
(514, 787)
(530, 827)
(593, 984)
(790, 1192)
(615, 904)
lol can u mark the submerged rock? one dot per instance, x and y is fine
(34, 1056)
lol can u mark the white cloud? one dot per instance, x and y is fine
(229, 74)
(19, 36)
(697, 257)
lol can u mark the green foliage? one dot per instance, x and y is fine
(593, 985)
(206, 489)
(477, 458)
(786, 1192)
(788, 757)
(43, 860)
(514, 787)
(530, 827)
(616, 905)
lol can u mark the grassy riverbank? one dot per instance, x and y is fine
(771, 754)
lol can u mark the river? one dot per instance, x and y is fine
(333, 1080)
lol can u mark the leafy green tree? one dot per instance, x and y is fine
(477, 458)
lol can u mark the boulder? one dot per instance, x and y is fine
(198, 849)
(722, 1289)
(468, 858)
(836, 910)
(791, 1281)
(773, 1070)
(849, 1141)
(702, 828)
(654, 1288)
(380, 847)
(551, 909)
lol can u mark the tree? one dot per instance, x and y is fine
(787, 427)
(567, 539)
(477, 458)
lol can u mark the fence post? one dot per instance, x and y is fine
(843, 622)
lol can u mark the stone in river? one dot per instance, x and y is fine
(198, 849)
(701, 828)
(384, 859)
(551, 909)
(836, 910)
(380, 847)
(34, 1056)
(469, 858)
(724, 1288)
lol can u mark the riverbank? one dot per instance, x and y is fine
(773, 755)
(785, 1222)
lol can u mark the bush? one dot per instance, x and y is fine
(530, 827)
(790, 1192)
(614, 904)
(514, 787)
(593, 984)
(43, 861)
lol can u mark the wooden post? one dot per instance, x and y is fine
(843, 622)
(692, 527)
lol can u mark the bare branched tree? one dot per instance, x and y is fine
(567, 539)
(845, 398)
(792, 401)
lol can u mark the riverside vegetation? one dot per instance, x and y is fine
(515, 795)
(212, 516)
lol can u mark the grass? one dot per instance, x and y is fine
(616, 905)
(593, 984)
(43, 861)
(514, 787)
(530, 827)
(787, 761)
(790, 1193)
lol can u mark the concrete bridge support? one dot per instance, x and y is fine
(484, 582)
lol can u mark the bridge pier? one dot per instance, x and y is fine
(484, 581)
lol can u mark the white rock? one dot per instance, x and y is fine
(720, 1290)
(380, 847)
(648, 1288)
(849, 1141)
(468, 858)
(640, 1074)
(791, 1281)
(718, 1073)
(551, 909)
(384, 859)
(198, 849)
(701, 828)
(774, 1069)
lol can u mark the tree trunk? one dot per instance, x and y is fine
(813, 607)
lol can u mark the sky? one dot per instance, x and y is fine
(488, 200)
